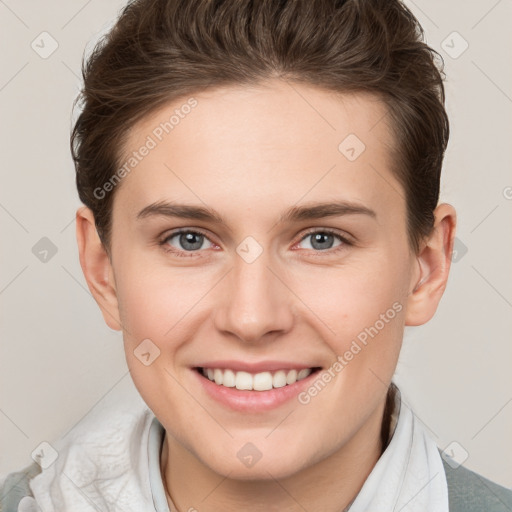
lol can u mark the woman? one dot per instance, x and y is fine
(261, 221)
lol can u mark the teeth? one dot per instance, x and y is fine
(279, 379)
(218, 376)
(291, 377)
(303, 374)
(243, 380)
(229, 379)
(258, 382)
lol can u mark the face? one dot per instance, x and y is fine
(226, 267)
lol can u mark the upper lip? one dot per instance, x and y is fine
(262, 366)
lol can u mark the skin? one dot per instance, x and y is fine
(250, 153)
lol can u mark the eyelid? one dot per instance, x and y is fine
(346, 241)
(162, 240)
(344, 237)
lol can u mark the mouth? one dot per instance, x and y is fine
(254, 386)
(261, 381)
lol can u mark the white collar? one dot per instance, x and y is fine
(409, 476)
(111, 461)
(155, 440)
(103, 461)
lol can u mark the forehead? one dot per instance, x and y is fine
(260, 145)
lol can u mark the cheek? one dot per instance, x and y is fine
(348, 298)
(361, 310)
(153, 306)
(153, 300)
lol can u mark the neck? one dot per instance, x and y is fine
(331, 484)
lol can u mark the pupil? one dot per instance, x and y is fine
(319, 237)
(187, 240)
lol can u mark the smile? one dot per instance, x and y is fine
(262, 381)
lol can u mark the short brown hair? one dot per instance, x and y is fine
(161, 50)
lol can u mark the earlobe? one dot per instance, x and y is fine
(434, 261)
(97, 268)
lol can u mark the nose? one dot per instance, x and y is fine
(254, 303)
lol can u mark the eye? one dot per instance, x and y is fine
(186, 241)
(322, 240)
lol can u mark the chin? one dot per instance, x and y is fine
(248, 463)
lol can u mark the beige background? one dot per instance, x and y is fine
(57, 357)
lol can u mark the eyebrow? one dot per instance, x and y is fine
(309, 211)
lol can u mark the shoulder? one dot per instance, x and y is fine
(15, 486)
(470, 492)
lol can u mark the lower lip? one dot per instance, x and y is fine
(254, 401)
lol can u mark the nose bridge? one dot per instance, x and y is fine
(256, 301)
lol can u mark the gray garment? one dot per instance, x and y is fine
(470, 492)
(467, 491)
(15, 487)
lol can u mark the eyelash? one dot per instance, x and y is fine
(167, 248)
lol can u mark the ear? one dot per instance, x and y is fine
(97, 268)
(434, 260)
